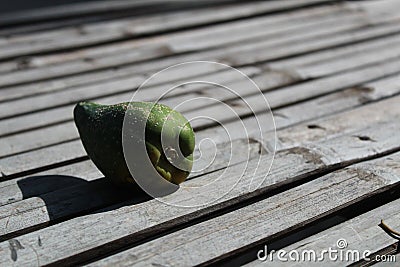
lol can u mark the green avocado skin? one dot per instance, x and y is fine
(100, 129)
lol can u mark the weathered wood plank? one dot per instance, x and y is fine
(320, 118)
(247, 226)
(288, 95)
(335, 124)
(13, 165)
(343, 123)
(239, 30)
(138, 221)
(27, 207)
(332, 53)
(149, 24)
(99, 33)
(26, 122)
(44, 157)
(337, 65)
(104, 6)
(293, 41)
(372, 47)
(361, 233)
(151, 91)
(273, 23)
(47, 181)
(127, 85)
(336, 60)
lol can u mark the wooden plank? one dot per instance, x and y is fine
(247, 226)
(85, 171)
(80, 9)
(126, 85)
(321, 118)
(12, 165)
(98, 33)
(273, 22)
(361, 233)
(286, 95)
(239, 30)
(27, 208)
(247, 55)
(90, 79)
(66, 82)
(372, 46)
(338, 65)
(148, 218)
(293, 46)
(345, 123)
(335, 124)
(59, 153)
(8, 124)
(47, 181)
(289, 116)
(345, 79)
(47, 136)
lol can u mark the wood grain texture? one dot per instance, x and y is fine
(33, 202)
(221, 54)
(307, 161)
(13, 164)
(297, 134)
(104, 6)
(264, 81)
(361, 233)
(86, 35)
(127, 85)
(244, 227)
(330, 74)
(12, 191)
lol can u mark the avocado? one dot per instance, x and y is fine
(101, 130)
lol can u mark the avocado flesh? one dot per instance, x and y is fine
(100, 128)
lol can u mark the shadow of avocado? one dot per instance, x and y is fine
(67, 197)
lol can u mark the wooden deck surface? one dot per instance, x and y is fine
(326, 166)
